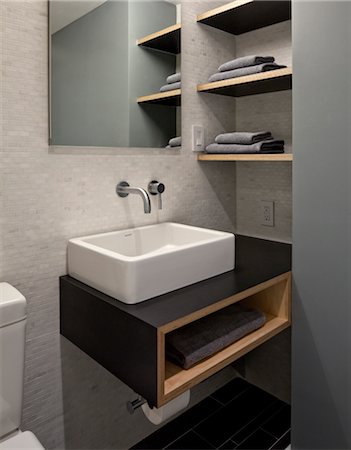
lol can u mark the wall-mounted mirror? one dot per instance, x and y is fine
(108, 61)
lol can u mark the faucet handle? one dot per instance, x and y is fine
(156, 188)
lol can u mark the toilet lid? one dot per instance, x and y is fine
(22, 441)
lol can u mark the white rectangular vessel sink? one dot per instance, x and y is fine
(140, 263)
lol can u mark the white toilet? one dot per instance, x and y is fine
(12, 340)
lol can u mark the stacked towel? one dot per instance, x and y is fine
(173, 82)
(245, 142)
(245, 61)
(200, 339)
(246, 65)
(244, 138)
(175, 142)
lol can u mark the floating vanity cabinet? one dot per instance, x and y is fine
(129, 340)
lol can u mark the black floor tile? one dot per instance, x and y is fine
(257, 421)
(231, 390)
(229, 445)
(283, 442)
(258, 440)
(190, 441)
(171, 431)
(234, 416)
(280, 423)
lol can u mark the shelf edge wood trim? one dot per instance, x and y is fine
(171, 326)
(242, 157)
(159, 96)
(158, 34)
(223, 9)
(269, 75)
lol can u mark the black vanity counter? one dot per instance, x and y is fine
(257, 260)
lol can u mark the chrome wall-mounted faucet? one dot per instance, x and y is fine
(156, 188)
(123, 190)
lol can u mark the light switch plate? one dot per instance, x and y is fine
(198, 134)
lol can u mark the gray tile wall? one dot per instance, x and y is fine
(273, 112)
(49, 195)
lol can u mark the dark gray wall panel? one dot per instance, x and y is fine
(321, 223)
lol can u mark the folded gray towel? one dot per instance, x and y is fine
(243, 137)
(174, 78)
(175, 142)
(269, 146)
(170, 87)
(244, 71)
(245, 61)
(200, 339)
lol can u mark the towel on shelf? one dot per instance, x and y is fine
(175, 142)
(244, 71)
(170, 87)
(269, 146)
(200, 339)
(174, 78)
(243, 137)
(245, 61)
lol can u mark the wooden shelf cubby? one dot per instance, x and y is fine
(243, 157)
(272, 297)
(258, 83)
(166, 40)
(241, 16)
(169, 98)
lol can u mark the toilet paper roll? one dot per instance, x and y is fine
(160, 415)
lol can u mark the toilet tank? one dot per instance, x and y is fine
(12, 339)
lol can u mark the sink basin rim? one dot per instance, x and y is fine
(81, 241)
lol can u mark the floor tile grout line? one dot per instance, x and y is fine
(199, 435)
(251, 421)
(178, 437)
(281, 437)
(255, 428)
(233, 398)
(277, 412)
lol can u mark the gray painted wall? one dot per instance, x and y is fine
(152, 125)
(98, 71)
(89, 79)
(321, 225)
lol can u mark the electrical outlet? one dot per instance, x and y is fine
(267, 213)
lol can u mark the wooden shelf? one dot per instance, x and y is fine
(243, 157)
(176, 377)
(273, 297)
(242, 16)
(166, 40)
(169, 98)
(258, 83)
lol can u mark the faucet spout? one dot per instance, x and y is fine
(123, 190)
